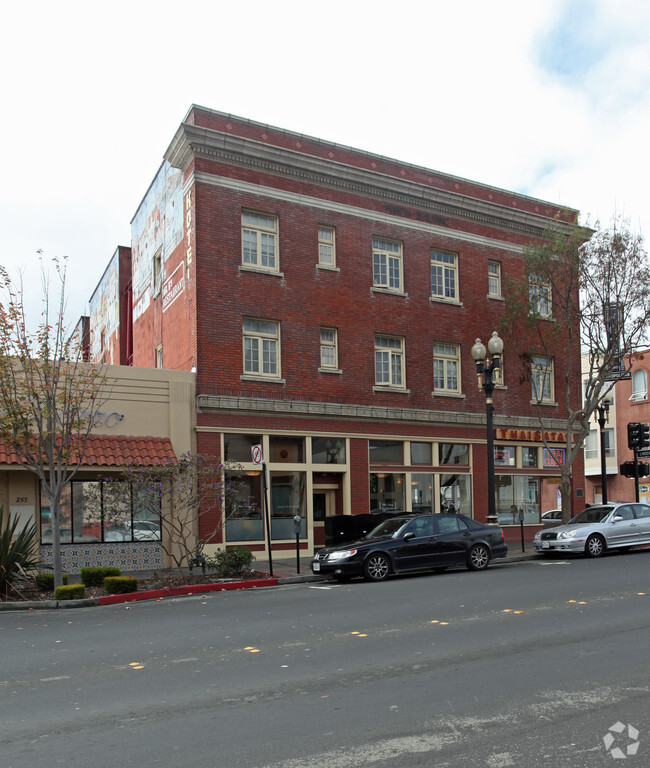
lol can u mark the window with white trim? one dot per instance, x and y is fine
(539, 295)
(261, 348)
(444, 275)
(389, 361)
(326, 247)
(387, 264)
(259, 241)
(494, 279)
(159, 356)
(541, 374)
(446, 368)
(329, 348)
(639, 385)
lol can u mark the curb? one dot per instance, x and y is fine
(190, 589)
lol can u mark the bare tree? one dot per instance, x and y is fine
(177, 495)
(49, 398)
(583, 295)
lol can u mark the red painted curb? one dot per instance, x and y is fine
(189, 589)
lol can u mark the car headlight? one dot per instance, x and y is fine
(567, 534)
(343, 555)
(538, 535)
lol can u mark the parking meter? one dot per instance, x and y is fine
(297, 521)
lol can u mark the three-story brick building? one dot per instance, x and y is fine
(327, 300)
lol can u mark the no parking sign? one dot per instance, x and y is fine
(256, 452)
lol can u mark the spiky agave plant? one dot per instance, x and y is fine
(18, 551)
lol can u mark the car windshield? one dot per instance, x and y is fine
(387, 528)
(591, 515)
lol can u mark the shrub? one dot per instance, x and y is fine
(70, 592)
(18, 551)
(93, 576)
(45, 581)
(120, 585)
(231, 563)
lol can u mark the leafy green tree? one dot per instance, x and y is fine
(49, 397)
(583, 299)
(197, 491)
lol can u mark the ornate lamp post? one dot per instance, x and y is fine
(485, 373)
(601, 415)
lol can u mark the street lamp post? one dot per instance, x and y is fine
(601, 415)
(485, 373)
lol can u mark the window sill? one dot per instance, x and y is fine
(328, 268)
(392, 390)
(544, 403)
(388, 291)
(442, 393)
(439, 300)
(495, 297)
(260, 270)
(267, 379)
(330, 370)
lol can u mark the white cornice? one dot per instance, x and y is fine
(192, 141)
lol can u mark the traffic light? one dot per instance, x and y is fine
(644, 435)
(627, 469)
(634, 435)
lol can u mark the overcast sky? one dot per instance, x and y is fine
(548, 99)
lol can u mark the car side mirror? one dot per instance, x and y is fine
(617, 519)
(408, 536)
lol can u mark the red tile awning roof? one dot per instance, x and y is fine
(115, 451)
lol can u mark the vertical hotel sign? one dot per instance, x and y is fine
(188, 226)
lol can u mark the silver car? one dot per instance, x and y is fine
(596, 529)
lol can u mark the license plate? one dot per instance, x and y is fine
(546, 545)
(315, 567)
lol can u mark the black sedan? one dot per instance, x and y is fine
(414, 543)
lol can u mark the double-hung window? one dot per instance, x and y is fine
(539, 294)
(494, 279)
(446, 368)
(389, 361)
(157, 272)
(259, 241)
(541, 375)
(326, 247)
(387, 264)
(328, 349)
(444, 275)
(261, 348)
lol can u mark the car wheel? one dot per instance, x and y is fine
(478, 558)
(376, 567)
(595, 546)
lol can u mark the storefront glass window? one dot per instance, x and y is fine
(327, 450)
(505, 455)
(386, 451)
(515, 494)
(420, 453)
(287, 450)
(287, 500)
(452, 453)
(529, 457)
(455, 494)
(244, 515)
(422, 493)
(387, 491)
(237, 448)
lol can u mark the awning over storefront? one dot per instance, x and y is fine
(115, 451)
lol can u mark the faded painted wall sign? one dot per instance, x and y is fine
(173, 287)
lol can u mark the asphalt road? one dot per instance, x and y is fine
(540, 663)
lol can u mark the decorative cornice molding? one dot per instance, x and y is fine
(192, 141)
(302, 408)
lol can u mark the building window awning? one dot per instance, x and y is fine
(115, 451)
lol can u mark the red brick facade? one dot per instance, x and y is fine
(217, 168)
